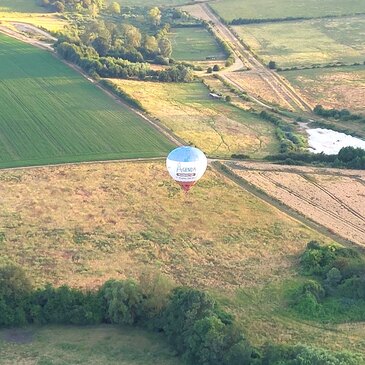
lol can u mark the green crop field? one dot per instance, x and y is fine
(194, 44)
(50, 114)
(97, 345)
(215, 126)
(307, 42)
(26, 6)
(269, 9)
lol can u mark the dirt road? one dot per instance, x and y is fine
(244, 58)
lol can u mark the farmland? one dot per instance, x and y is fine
(22, 6)
(27, 11)
(96, 345)
(333, 198)
(217, 127)
(307, 42)
(51, 114)
(332, 87)
(82, 225)
(272, 9)
(194, 44)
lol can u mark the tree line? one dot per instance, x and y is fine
(338, 114)
(91, 6)
(348, 157)
(193, 322)
(90, 61)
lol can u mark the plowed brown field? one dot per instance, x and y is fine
(333, 198)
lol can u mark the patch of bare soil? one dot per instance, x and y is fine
(18, 335)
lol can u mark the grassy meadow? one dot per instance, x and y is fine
(307, 42)
(215, 126)
(51, 114)
(27, 11)
(21, 6)
(82, 225)
(271, 9)
(194, 44)
(97, 345)
(332, 87)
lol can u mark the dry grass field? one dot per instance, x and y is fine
(332, 87)
(333, 198)
(307, 42)
(256, 85)
(87, 223)
(215, 126)
(84, 224)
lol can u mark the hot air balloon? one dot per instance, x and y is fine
(186, 165)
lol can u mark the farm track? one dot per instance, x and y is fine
(276, 83)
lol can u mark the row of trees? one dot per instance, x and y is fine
(343, 114)
(194, 324)
(90, 61)
(91, 6)
(348, 157)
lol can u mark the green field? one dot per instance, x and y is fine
(269, 9)
(26, 6)
(307, 42)
(194, 44)
(50, 114)
(97, 345)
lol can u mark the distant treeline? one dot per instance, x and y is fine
(90, 61)
(194, 324)
(72, 5)
(342, 114)
(242, 21)
(348, 157)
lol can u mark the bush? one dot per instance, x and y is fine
(122, 302)
(305, 355)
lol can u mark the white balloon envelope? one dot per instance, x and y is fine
(186, 165)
